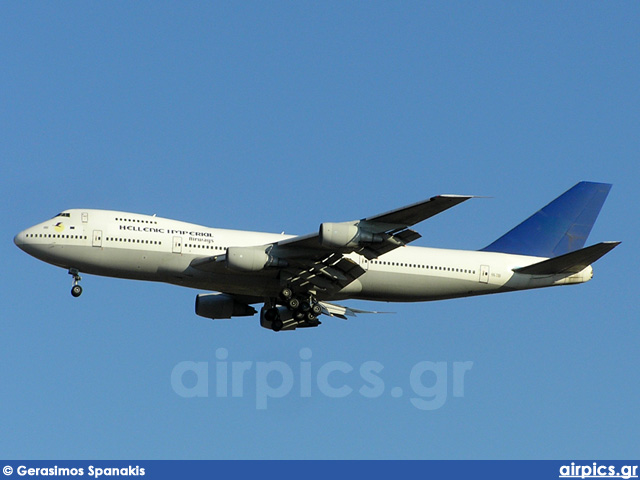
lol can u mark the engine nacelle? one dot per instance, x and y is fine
(219, 305)
(251, 259)
(344, 235)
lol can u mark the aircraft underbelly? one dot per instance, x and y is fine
(405, 287)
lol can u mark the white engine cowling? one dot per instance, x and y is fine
(344, 235)
(219, 305)
(251, 259)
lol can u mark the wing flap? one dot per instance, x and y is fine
(340, 311)
(330, 274)
(400, 239)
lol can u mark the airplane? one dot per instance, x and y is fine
(299, 278)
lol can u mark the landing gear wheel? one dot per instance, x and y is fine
(276, 325)
(271, 315)
(286, 293)
(310, 317)
(293, 303)
(316, 309)
(76, 290)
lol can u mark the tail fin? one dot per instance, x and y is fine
(559, 228)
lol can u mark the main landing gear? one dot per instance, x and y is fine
(299, 312)
(272, 315)
(76, 290)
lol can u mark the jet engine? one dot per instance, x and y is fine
(251, 259)
(219, 305)
(344, 235)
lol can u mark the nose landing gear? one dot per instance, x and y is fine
(76, 290)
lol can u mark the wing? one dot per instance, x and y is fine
(388, 230)
(318, 262)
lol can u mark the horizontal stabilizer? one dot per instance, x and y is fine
(573, 262)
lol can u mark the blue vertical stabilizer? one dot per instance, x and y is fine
(559, 228)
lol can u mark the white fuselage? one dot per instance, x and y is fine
(143, 247)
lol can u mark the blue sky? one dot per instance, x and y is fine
(278, 116)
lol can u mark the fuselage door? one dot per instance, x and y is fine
(484, 273)
(177, 245)
(97, 238)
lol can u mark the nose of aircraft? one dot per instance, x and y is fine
(19, 239)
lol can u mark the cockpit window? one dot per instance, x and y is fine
(68, 215)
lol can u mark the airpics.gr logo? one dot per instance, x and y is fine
(59, 227)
